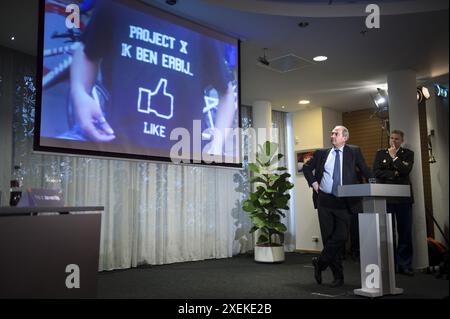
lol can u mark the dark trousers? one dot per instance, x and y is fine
(334, 220)
(354, 235)
(402, 221)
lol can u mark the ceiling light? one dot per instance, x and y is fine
(13, 38)
(304, 102)
(320, 58)
(283, 107)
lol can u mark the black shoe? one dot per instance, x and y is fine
(408, 272)
(337, 283)
(317, 271)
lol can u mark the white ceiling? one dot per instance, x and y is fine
(412, 34)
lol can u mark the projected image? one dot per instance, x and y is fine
(120, 77)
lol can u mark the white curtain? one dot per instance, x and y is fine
(154, 213)
(279, 121)
(11, 63)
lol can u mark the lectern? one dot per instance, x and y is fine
(50, 255)
(376, 237)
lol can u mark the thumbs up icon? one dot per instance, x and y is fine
(158, 101)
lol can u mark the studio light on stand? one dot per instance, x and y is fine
(380, 99)
(431, 158)
(425, 92)
(422, 93)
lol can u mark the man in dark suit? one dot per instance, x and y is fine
(325, 171)
(392, 166)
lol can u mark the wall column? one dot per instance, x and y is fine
(437, 114)
(7, 87)
(262, 119)
(404, 115)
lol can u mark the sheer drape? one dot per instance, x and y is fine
(279, 121)
(11, 86)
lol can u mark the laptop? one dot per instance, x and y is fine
(41, 197)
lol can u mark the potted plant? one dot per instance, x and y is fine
(265, 205)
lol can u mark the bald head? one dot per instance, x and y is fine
(339, 136)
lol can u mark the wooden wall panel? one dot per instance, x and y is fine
(366, 131)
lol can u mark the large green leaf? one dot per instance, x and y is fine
(285, 175)
(259, 161)
(264, 201)
(283, 178)
(273, 178)
(280, 227)
(260, 190)
(262, 157)
(259, 222)
(258, 215)
(248, 206)
(257, 179)
(270, 148)
(280, 202)
(262, 239)
(265, 160)
(274, 218)
(253, 167)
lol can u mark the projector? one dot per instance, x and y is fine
(263, 60)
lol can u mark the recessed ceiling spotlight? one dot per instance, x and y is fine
(304, 102)
(13, 38)
(320, 58)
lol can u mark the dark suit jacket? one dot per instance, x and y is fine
(388, 171)
(353, 161)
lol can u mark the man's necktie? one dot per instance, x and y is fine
(336, 173)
